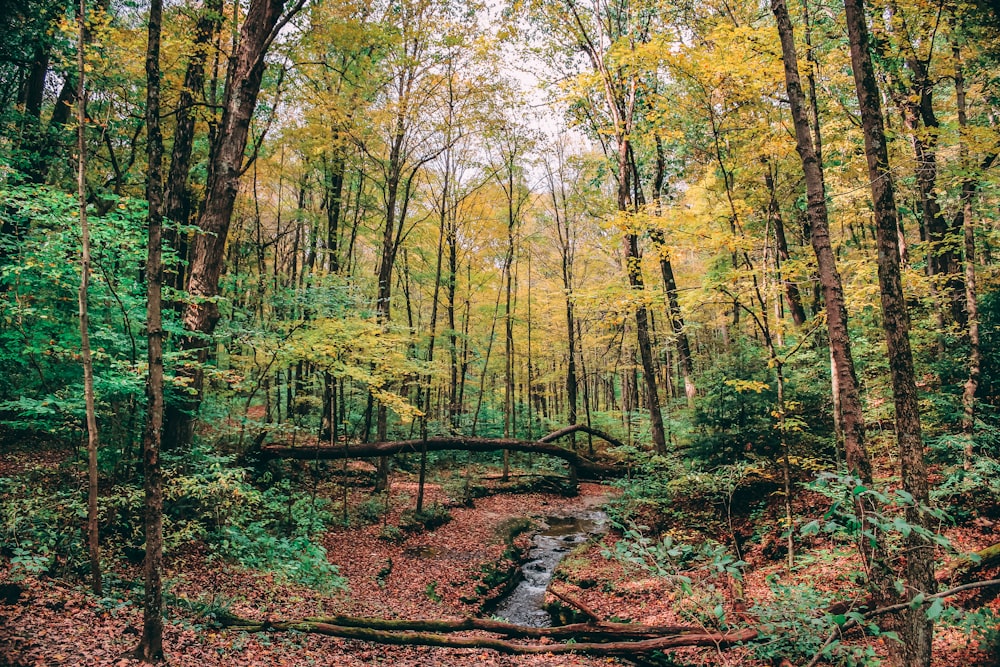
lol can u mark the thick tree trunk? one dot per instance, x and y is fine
(150, 648)
(585, 468)
(243, 82)
(849, 398)
(333, 194)
(916, 630)
(34, 88)
(597, 638)
(611, 648)
(177, 204)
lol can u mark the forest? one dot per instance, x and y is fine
(503, 332)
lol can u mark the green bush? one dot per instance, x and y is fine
(292, 559)
(41, 531)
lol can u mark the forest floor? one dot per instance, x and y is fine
(432, 574)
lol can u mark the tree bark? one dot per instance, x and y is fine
(243, 81)
(584, 467)
(792, 296)
(684, 360)
(971, 305)
(851, 415)
(150, 648)
(596, 631)
(93, 536)
(621, 649)
(915, 630)
(177, 205)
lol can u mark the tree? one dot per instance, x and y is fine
(849, 403)
(263, 22)
(177, 204)
(609, 37)
(916, 628)
(93, 536)
(150, 648)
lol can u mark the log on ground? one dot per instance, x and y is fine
(590, 639)
(584, 467)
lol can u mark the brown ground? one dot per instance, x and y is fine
(56, 624)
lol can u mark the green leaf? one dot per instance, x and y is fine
(811, 528)
(934, 611)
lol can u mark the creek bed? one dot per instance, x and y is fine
(524, 605)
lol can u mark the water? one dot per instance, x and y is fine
(524, 605)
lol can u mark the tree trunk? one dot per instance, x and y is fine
(177, 204)
(243, 81)
(849, 399)
(333, 190)
(633, 267)
(915, 630)
(971, 305)
(792, 296)
(685, 363)
(584, 467)
(442, 224)
(150, 648)
(93, 535)
(604, 646)
(508, 320)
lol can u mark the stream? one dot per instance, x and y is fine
(524, 605)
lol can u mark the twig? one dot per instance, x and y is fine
(587, 611)
(892, 609)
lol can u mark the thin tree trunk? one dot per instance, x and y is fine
(685, 362)
(633, 267)
(792, 296)
(93, 536)
(915, 630)
(586, 385)
(567, 246)
(150, 648)
(530, 374)
(442, 224)
(454, 404)
(971, 305)
(508, 394)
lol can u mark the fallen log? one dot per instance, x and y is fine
(600, 632)
(629, 647)
(587, 611)
(966, 568)
(583, 468)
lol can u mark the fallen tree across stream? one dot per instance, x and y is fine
(597, 639)
(580, 466)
